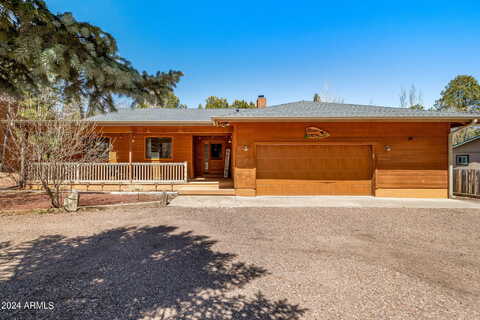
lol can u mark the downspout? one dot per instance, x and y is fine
(450, 156)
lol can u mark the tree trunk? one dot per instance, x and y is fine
(22, 180)
(4, 150)
(54, 196)
(5, 139)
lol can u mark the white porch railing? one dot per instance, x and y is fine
(159, 173)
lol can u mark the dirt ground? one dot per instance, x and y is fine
(20, 200)
(13, 200)
(242, 263)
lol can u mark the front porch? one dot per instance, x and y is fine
(129, 177)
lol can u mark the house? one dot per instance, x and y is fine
(467, 153)
(298, 148)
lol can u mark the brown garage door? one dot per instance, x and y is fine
(314, 170)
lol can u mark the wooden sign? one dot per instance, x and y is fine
(315, 133)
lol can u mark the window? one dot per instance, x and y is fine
(462, 160)
(158, 148)
(104, 148)
(216, 151)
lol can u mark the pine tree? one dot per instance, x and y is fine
(462, 94)
(213, 102)
(40, 49)
(171, 101)
(242, 104)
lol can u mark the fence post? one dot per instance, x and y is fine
(185, 177)
(77, 173)
(130, 172)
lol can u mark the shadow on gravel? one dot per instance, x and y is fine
(134, 273)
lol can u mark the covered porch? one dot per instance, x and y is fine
(184, 158)
(130, 177)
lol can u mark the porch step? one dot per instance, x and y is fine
(197, 192)
(222, 183)
(192, 187)
(181, 187)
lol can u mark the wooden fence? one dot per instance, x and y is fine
(91, 173)
(466, 182)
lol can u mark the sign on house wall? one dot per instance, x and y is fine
(315, 133)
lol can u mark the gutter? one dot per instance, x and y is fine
(450, 156)
(344, 119)
(152, 123)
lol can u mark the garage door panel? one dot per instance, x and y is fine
(313, 169)
(272, 187)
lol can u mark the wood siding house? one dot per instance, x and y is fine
(300, 148)
(467, 154)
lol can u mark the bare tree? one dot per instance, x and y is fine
(48, 147)
(414, 100)
(326, 95)
(403, 98)
(412, 95)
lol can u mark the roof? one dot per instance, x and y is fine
(466, 142)
(161, 116)
(300, 111)
(326, 110)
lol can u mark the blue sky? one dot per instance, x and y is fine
(360, 51)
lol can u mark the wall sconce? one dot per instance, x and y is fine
(387, 148)
(245, 148)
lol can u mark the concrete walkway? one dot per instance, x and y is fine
(319, 201)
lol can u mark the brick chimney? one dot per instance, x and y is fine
(261, 101)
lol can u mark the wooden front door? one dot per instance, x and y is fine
(210, 153)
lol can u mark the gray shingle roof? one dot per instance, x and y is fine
(310, 109)
(293, 110)
(161, 115)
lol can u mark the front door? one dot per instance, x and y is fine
(210, 154)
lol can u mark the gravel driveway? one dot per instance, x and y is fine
(242, 263)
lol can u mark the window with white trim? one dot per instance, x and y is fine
(158, 148)
(462, 160)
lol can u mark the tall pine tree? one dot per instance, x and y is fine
(41, 49)
(461, 94)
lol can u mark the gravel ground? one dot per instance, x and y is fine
(242, 263)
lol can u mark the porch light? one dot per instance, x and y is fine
(387, 148)
(245, 148)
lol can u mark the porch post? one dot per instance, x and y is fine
(130, 169)
(185, 171)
